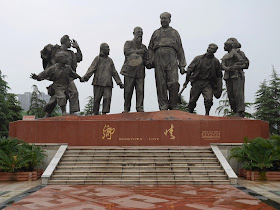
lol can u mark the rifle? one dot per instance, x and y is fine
(184, 87)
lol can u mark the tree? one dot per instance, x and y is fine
(184, 105)
(13, 107)
(274, 86)
(56, 111)
(224, 106)
(36, 104)
(9, 107)
(225, 109)
(4, 125)
(89, 106)
(267, 102)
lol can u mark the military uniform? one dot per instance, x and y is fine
(204, 73)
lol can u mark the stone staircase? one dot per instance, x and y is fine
(139, 165)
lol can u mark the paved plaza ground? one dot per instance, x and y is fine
(246, 195)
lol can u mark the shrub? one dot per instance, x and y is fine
(258, 154)
(16, 155)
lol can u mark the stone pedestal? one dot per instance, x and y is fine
(162, 128)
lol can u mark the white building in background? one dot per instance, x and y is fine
(25, 98)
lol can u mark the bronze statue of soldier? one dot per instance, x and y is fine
(205, 75)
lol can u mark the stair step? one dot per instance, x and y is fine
(143, 175)
(138, 163)
(137, 177)
(211, 157)
(137, 147)
(142, 156)
(137, 167)
(136, 182)
(138, 152)
(146, 162)
(141, 150)
(141, 172)
(116, 159)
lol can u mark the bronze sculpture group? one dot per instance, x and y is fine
(165, 54)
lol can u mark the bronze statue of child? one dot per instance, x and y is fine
(61, 74)
(233, 54)
(104, 70)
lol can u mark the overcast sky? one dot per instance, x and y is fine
(27, 26)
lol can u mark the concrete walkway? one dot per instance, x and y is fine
(10, 189)
(270, 189)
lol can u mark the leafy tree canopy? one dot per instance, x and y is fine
(36, 104)
(267, 102)
(9, 107)
(89, 106)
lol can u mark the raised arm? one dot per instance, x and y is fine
(78, 54)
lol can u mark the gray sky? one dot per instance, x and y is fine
(27, 26)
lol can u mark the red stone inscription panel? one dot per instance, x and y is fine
(162, 128)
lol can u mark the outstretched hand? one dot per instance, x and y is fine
(34, 76)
